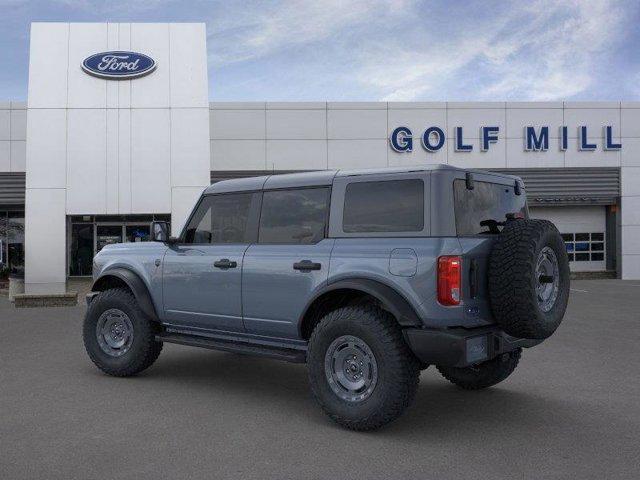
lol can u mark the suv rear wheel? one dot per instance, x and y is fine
(118, 336)
(361, 371)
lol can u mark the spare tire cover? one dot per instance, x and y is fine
(529, 278)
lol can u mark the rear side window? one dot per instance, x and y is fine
(384, 206)
(296, 216)
(220, 219)
(486, 202)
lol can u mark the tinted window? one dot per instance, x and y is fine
(486, 202)
(220, 219)
(388, 206)
(294, 216)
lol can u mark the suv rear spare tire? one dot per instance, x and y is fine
(529, 278)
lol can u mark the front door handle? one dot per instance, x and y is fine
(225, 263)
(306, 265)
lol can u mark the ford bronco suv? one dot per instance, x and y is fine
(368, 276)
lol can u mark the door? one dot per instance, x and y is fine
(107, 235)
(202, 272)
(289, 262)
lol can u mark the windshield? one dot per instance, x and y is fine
(483, 209)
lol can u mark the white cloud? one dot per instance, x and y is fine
(542, 51)
(259, 29)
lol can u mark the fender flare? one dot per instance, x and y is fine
(135, 284)
(390, 299)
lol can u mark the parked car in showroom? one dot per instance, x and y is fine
(368, 276)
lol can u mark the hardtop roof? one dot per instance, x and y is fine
(324, 177)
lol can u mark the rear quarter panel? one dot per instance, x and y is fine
(370, 258)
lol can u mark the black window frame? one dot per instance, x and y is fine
(325, 230)
(385, 232)
(251, 233)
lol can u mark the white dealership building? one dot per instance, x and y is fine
(90, 159)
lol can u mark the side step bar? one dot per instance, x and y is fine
(286, 354)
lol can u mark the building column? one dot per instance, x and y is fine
(630, 223)
(45, 241)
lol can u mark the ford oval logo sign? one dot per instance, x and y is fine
(118, 65)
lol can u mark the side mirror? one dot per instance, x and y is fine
(160, 232)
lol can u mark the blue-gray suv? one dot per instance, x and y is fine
(368, 276)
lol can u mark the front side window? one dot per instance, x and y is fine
(220, 219)
(486, 205)
(384, 206)
(296, 216)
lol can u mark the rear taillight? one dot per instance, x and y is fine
(449, 281)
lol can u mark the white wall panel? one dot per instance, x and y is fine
(472, 119)
(630, 153)
(630, 180)
(592, 118)
(237, 124)
(492, 158)
(45, 241)
(124, 161)
(631, 239)
(574, 157)
(183, 200)
(47, 148)
(150, 161)
(5, 124)
(152, 91)
(296, 154)
(86, 161)
(18, 156)
(18, 124)
(630, 267)
(630, 120)
(238, 155)
(296, 124)
(518, 118)
(86, 91)
(356, 124)
(5, 156)
(517, 157)
(419, 156)
(630, 211)
(357, 153)
(111, 161)
(124, 86)
(113, 43)
(188, 56)
(418, 120)
(190, 165)
(48, 62)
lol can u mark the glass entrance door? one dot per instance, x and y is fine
(107, 235)
(81, 257)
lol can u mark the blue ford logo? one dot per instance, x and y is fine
(118, 65)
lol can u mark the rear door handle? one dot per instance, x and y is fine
(225, 263)
(305, 265)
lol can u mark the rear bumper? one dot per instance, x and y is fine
(461, 347)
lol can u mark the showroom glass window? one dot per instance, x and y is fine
(384, 206)
(220, 219)
(12, 242)
(294, 216)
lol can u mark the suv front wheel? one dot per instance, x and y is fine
(361, 371)
(118, 336)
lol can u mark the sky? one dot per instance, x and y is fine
(377, 50)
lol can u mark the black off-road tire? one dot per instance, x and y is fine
(513, 278)
(398, 369)
(485, 374)
(144, 349)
